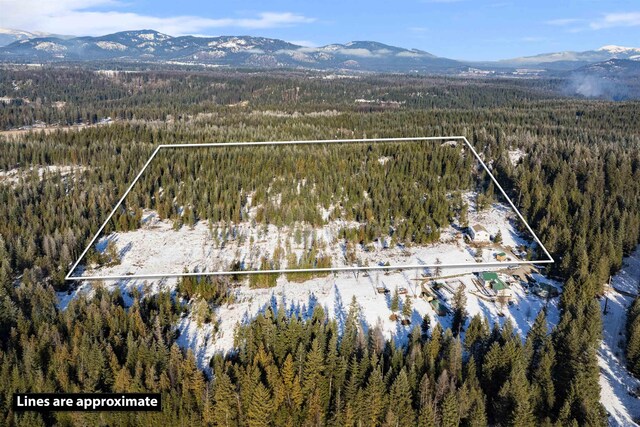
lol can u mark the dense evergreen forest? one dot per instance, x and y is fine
(578, 185)
(406, 191)
(385, 185)
(633, 338)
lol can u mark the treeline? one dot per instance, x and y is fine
(317, 372)
(287, 370)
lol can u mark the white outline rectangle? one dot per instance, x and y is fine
(319, 270)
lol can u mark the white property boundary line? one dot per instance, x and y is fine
(308, 270)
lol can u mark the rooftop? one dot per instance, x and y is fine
(489, 275)
(498, 285)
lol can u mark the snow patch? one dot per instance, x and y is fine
(50, 47)
(515, 156)
(111, 45)
(616, 381)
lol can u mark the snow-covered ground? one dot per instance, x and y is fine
(335, 292)
(515, 156)
(156, 248)
(13, 176)
(616, 382)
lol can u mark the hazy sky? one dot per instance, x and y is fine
(460, 29)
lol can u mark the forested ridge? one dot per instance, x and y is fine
(578, 185)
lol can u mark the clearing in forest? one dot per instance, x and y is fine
(306, 208)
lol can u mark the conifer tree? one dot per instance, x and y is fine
(395, 302)
(292, 388)
(225, 407)
(375, 398)
(459, 310)
(407, 308)
(400, 409)
(261, 408)
(475, 399)
(449, 414)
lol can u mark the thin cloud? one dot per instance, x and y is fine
(534, 39)
(563, 22)
(62, 15)
(610, 20)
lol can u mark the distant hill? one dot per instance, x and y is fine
(8, 36)
(571, 60)
(238, 51)
(247, 51)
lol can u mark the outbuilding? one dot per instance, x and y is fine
(479, 234)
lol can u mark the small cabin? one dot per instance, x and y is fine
(501, 256)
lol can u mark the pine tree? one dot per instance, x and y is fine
(459, 310)
(395, 302)
(449, 414)
(544, 393)
(225, 407)
(425, 326)
(633, 337)
(407, 308)
(313, 372)
(427, 417)
(375, 397)
(261, 408)
(535, 341)
(475, 399)
(292, 388)
(514, 399)
(438, 269)
(476, 336)
(400, 409)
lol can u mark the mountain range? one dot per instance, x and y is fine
(247, 51)
(8, 36)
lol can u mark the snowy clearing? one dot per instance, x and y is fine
(157, 248)
(334, 293)
(616, 382)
